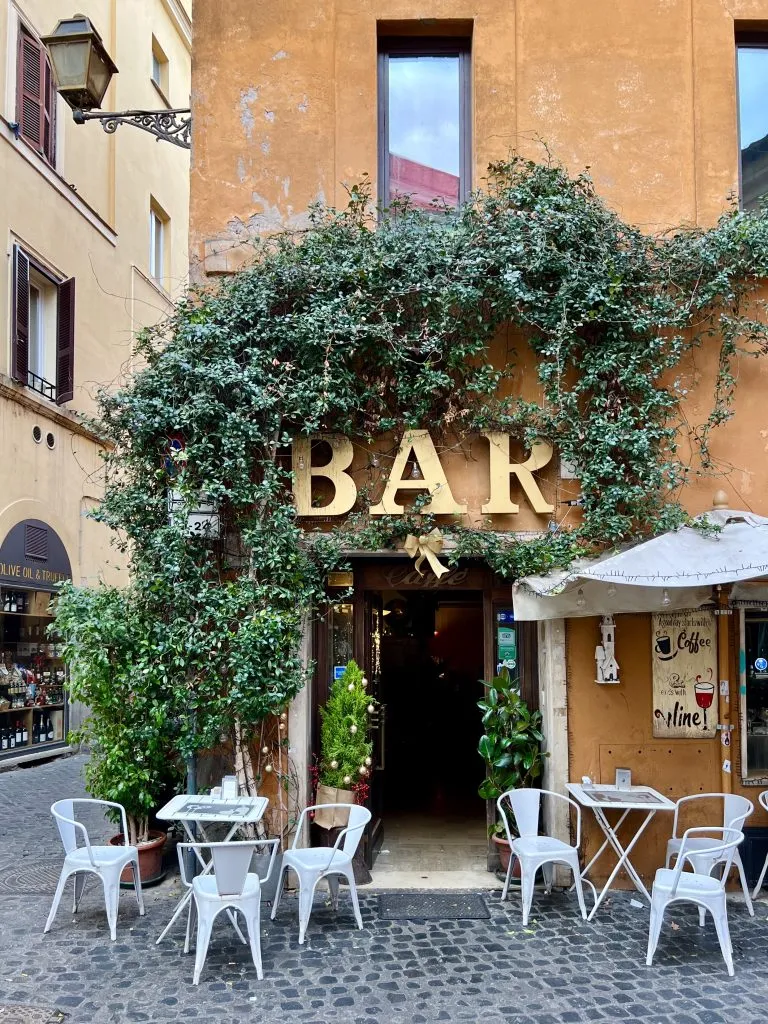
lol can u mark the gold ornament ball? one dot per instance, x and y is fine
(334, 764)
(351, 687)
(268, 768)
(368, 762)
(353, 729)
(281, 725)
(371, 709)
(347, 780)
(363, 770)
(265, 750)
(283, 716)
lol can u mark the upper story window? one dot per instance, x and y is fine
(42, 329)
(424, 122)
(158, 242)
(35, 96)
(159, 68)
(752, 51)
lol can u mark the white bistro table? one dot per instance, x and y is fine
(234, 811)
(597, 798)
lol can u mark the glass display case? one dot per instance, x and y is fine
(33, 698)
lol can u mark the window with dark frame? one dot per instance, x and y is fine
(424, 120)
(752, 65)
(42, 329)
(35, 96)
(756, 693)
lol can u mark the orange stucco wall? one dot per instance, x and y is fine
(641, 91)
(611, 727)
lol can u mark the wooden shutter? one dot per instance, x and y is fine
(30, 88)
(65, 342)
(20, 326)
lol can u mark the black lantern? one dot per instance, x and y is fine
(81, 65)
(83, 70)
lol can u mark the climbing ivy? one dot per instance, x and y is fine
(369, 325)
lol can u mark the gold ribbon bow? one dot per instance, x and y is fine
(426, 545)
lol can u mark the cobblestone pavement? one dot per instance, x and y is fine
(559, 970)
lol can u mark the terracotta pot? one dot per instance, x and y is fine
(150, 859)
(502, 847)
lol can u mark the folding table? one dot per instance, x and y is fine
(601, 798)
(234, 811)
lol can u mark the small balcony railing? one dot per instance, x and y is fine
(41, 386)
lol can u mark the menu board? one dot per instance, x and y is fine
(684, 653)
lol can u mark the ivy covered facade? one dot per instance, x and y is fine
(398, 408)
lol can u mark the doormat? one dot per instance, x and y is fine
(432, 906)
(30, 1015)
(38, 877)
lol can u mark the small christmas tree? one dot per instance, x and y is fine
(345, 749)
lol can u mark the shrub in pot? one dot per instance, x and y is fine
(510, 746)
(130, 728)
(345, 748)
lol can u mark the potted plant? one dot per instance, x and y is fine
(130, 727)
(510, 746)
(345, 748)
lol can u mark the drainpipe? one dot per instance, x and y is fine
(723, 613)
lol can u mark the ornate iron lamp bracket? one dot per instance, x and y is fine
(169, 125)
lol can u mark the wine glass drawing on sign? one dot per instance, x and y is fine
(704, 691)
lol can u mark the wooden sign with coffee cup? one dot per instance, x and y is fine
(684, 657)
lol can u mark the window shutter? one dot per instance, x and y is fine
(65, 342)
(20, 334)
(30, 103)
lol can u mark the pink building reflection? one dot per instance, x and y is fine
(423, 184)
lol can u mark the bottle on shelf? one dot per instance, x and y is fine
(24, 733)
(3, 738)
(36, 730)
(11, 737)
(17, 733)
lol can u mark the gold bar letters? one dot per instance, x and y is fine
(434, 480)
(342, 454)
(501, 470)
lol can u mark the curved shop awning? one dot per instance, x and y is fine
(674, 570)
(33, 556)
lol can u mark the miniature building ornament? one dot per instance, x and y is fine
(605, 656)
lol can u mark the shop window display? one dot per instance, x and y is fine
(33, 708)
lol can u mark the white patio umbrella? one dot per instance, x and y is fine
(674, 570)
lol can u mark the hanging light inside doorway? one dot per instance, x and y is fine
(416, 473)
(580, 599)
(665, 598)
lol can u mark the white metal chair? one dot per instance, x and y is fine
(230, 886)
(313, 863)
(763, 798)
(736, 810)
(107, 862)
(535, 851)
(672, 885)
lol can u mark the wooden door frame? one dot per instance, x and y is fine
(396, 573)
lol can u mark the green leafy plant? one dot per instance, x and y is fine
(345, 747)
(369, 325)
(130, 728)
(511, 741)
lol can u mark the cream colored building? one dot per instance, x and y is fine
(95, 234)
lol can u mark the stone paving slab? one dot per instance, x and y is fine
(559, 970)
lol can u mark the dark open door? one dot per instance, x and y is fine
(373, 614)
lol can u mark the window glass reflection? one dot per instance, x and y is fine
(424, 129)
(753, 122)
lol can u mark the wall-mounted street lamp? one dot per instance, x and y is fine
(83, 70)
